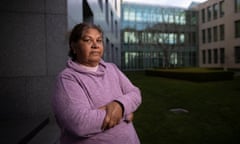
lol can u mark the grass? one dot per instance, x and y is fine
(213, 118)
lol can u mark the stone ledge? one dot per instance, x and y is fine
(48, 135)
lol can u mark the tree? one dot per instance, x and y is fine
(167, 49)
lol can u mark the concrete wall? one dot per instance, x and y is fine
(33, 50)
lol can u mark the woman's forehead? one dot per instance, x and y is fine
(92, 31)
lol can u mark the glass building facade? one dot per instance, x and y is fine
(155, 36)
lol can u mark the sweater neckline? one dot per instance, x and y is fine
(100, 70)
(88, 68)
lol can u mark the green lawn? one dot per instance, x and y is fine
(213, 118)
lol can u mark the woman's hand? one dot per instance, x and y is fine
(114, 114)
(129, 118)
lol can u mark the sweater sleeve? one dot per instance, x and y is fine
(131, 98)
(72, 109)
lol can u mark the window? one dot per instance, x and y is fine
(172, 38)
(215, 56)
(183, 18)
(215, 33)
(117, 55)
(237, 5)
(106, 12)
(215, 11)
(138, 16)
(194, 58)
(209, 56)
(107, 51)
(125, 14)
(100, 2)
(111, 21)
(237, 54)
(116, 29)
(203, 36)
(194, 39)
(209, 10)
(194, 18)
(204, 56)
(222, 55)
(209, 35)
(87, 12)
(191, 38)
(203, 15)
(130, 37)
(182, 38)
(237, 29)
(116, 5)
(221, 5)
(171, 18)
(131, 16)
(222, 32)
(112, 53)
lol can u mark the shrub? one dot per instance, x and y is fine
(192, 74)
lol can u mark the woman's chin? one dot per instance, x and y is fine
(95, 59)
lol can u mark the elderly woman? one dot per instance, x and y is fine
(94, 101)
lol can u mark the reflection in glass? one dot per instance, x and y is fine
(155, 36)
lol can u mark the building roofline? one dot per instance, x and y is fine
(149, 4)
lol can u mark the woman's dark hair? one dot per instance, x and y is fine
(76, 35)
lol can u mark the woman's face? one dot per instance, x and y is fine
(89, 49)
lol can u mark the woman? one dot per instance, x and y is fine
(94, 101)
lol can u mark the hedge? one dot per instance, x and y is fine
(192, 75)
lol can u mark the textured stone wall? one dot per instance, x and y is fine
(33, 50)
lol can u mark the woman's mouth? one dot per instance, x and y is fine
(95, 53)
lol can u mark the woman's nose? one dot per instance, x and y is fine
(94, 44)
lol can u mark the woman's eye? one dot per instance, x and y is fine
(86, 40)
(99, 41)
